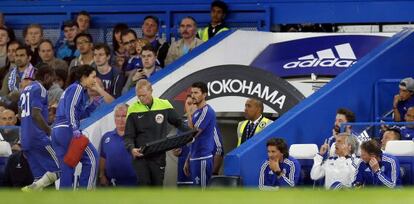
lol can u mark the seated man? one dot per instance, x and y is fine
(407, 131)
(404, 99)
(280, 169)
(338, 171)
(115, 164)
(343, 115)
(218, 11)
(390, 134)
(377, 168)
(188, 31)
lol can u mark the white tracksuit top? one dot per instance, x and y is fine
(336, 169)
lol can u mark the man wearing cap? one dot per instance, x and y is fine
(403, 100)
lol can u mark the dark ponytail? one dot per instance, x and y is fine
(77, 72)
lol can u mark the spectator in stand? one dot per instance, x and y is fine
(280, 169)
(149, 57)
(407, 131)
(404, 99)
(188, 31)
(67, 50)
(4, 40)
(84, 43)
(343, 115)
(389, 135)
(11, 53)
(377, 168)
(115, 164)
(107, 74)
(150, 30)
(119, 51)
(98, 96)
(11, 135)
(34, 35)
(22, 61)
(129, 39)
(338, 171)
(47, 55)
(135, 62)
(83, 19)
(218, 12)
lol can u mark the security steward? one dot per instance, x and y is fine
(147, 121)
(255, 121)
(218, 11)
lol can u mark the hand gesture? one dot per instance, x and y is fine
(136, 152)
(176, 152)
(324, 148)
(274, 164)
(373, 163)
(139, 74)
(397, 99)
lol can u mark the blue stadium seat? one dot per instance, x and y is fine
(304, 153)
(404, 151)
(225, 181)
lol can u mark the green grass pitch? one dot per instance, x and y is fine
(211, 196)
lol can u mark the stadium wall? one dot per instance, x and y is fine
(311, 121)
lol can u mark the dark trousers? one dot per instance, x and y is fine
(150, 172)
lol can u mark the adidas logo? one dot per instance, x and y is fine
(326, 58)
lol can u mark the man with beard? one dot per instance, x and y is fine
(343, 115)
(35, 141)
(188, 31)
(200, 161)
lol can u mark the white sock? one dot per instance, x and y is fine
(47, 179)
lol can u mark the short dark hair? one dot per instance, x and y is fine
(102, 46)
(61, 74)
(149, 48)
(87, 35)
(349, 115)
(26, 29)
(27, 48)
(77, 72)
(201, 85)
(220, 4)
(157, 21)
(372, 147)
(191, 18)
(118, 28)
(280, 144)
(396, 131)
(43, 69)
(127, 31)
(46, 41)
(69, 23)
(83, 13)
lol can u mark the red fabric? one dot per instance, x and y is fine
(75, 151)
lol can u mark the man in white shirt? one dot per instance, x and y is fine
(338, 171)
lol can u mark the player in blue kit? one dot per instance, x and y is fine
(200, 162)
(280, 169)
(71, 109)
(35, 141)
(115, 164)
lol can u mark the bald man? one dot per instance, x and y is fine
(255, 121)
(147, 121)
